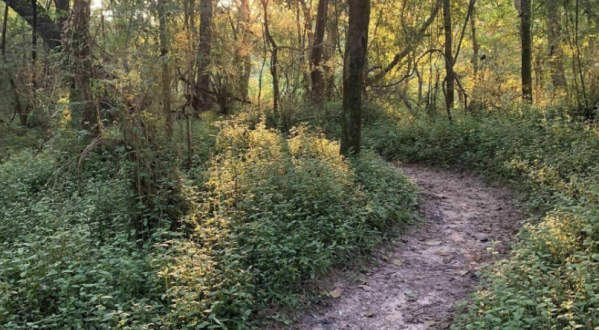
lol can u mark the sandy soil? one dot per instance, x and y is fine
(415, 283)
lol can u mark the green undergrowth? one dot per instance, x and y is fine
(551, 279)
(109, 243)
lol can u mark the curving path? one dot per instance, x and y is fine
(416, 282)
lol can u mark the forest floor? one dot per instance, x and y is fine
(416, 281)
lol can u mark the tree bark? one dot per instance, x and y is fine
(526, 39)
(202, 100)
(47, 29)
(329, 57)
(353, 75)
(475, 46)
(81, 96)
(449, 72)
(166, 75)
(273, 60)
(308, 34)
(243, 52)
(4, 29)
(317, 51)
(556, 53)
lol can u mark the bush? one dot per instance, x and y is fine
(59, 267)
(276, 212)
(238, 233)
(551, 281)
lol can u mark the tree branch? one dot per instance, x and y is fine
(412, 43)
(46, 27)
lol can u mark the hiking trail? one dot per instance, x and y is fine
(416, 280)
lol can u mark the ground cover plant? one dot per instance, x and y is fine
(170, 164)
(550, 280)
(268, 213)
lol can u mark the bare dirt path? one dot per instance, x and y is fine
(417, 280)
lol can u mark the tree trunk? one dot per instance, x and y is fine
(329, 57)
(450, 75)
(475, 46)
(353, 75)
(526, 39)
(556, 53)
(202, 99)
(244, 54)
(307, 32)
(317, 51)
(166, 75)
(273, 61)
(4, 29)
(81, 97)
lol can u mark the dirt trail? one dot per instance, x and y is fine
(426, 271)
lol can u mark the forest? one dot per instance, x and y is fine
(299, 164)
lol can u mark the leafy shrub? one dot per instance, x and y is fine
(242, 231)
(58, 267)
(551, 281)
(276, 212)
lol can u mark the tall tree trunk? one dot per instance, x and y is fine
(317, 51)
(526, 39)
(353, 75)
(450, 75)
(329, 56)
(475, 46)
(307, 37)
(556, 53)
(166, 75)
(11, 80)
(273, 61)
(244, 51)
(4, 29)
(34, 33)
(81, 96)
(202, 99)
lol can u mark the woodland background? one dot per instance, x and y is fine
(175, 164)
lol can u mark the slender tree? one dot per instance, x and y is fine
(329, 53)
(475, 46)
(166, 75)
(554, 41)
(4, 29)
(244, 50)
(449, 72)
(317, 52)
(526, 40)
(81, 96)
(273, 59)
(202, 100)
(353, 75)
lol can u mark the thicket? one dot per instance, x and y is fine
(551, 279)
(102, 241)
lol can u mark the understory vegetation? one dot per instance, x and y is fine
(208, 248)
(203, 164)
(551, 279)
